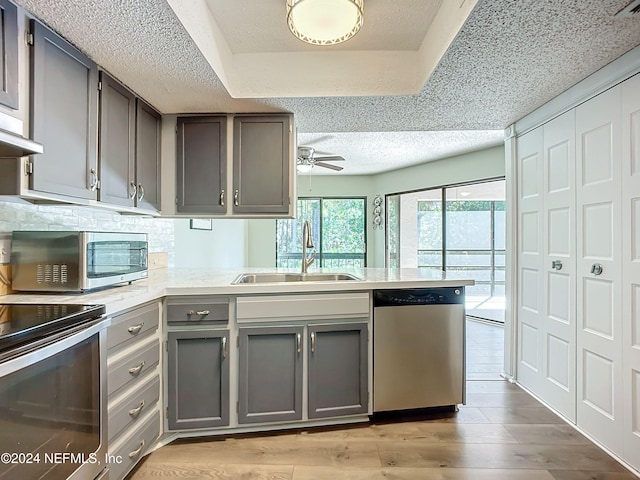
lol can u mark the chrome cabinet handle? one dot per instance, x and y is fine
(313, 342)
(133, 191)
(135, 371)
(199, 312)
(134, 412)
(137, 451)
(135, 329)
(224, 347)
(222, 198)
(596, 269)
(298, 343)
(141, 190)
(236, 195)
(556, 265)
(94, 180)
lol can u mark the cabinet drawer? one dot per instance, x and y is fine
(132, 409)
(127, 327)
(132, 368)
(131, 450)
(316, 306)
(190, 310)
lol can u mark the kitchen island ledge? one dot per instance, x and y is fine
(193, 281)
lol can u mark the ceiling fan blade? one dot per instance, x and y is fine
(329, 166)
(329, 158)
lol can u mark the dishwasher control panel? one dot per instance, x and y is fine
(419, 296)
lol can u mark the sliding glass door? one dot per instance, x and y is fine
(458, 229)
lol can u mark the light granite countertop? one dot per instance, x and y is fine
(193, 281)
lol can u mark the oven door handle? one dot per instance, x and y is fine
(51, 349)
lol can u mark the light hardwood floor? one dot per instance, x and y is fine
(501, 433)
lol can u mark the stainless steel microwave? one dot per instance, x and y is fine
(50, 261)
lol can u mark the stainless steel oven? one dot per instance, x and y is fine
(76, 261)
(53, 409)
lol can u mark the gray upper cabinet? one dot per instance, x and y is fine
(261, 164)
(198, 383)
(9, 59)
(148, 123)
(116, 143)
(63, 114)
(129, 148)
(270, 380)
(201, 165)
(338, 377)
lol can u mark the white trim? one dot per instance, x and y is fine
(511, 267)
(608, 76)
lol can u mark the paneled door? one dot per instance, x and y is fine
(631, 266)
(558, 337)
(530, 253)
(598, 267)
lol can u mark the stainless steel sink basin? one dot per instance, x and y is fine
(292, 277)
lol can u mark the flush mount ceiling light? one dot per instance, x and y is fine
(324, 22)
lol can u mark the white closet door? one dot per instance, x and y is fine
(631, 266)
(530, 252)
(558, 329)
(599, 269)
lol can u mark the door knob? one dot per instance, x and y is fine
(556, 265)
(596, 269)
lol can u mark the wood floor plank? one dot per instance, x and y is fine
(497, 386)
(210, 471)
(586, 475)
(501, 400)
(540, 457)
(319, 473)
(547, 434)
(520, 415)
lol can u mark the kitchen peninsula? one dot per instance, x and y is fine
(191, 353)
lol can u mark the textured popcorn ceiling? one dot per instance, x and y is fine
(509, 58)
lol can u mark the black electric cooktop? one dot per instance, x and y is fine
(25, 323)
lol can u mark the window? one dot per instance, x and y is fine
(338, 228)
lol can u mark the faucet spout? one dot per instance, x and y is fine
(307, 242)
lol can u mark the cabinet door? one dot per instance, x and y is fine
(64, 103)
(116, 143)
(9, 61)
(198, 385)
(338, 379)
(261, 164)
(270, 383)
(201, 163)
(147, 157)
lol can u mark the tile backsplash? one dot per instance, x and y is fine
(24, 216)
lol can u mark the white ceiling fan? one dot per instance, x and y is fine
(309, 157)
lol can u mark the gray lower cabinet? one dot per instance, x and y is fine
(338, 362)
(198, 383)
(201, 165)
(270, 377)
(63, 116)
(261, 164)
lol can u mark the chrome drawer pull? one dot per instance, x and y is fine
(135, 329)
(313, 342)
(298, 343)
(135, 371)
(224, 347)
(141, 190)
(134, 412)
(133, 190)
(199, 312)
(137, 451)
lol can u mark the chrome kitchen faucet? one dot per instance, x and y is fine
(307, 242)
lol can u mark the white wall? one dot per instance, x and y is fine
(224, 246)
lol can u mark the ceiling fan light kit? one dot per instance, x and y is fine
(324, 22)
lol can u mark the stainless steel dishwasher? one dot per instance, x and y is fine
(418, 348)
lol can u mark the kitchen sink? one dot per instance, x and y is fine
(292, 277)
